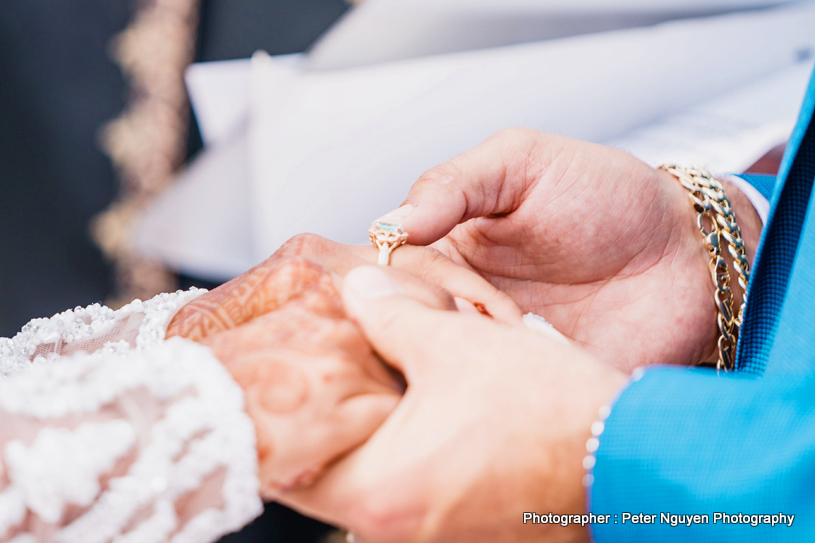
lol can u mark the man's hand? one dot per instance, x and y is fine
(600, 244)
(494, 423)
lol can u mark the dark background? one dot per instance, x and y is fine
(57, 87)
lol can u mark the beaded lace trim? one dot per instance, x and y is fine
(122, 439)
(138, 324)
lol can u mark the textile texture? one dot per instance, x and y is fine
(691, 441)
(780, 245)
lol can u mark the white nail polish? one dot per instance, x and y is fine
(395, 216)
(539, 324)
(464, 306)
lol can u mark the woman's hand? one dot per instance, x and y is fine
(314, 387)
(600, 244)
(424, 272)
(494, 423)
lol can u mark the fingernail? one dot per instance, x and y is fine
(396, 216)
(539, 324)
(464, 306)
(368, 283)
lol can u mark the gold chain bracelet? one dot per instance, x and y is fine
(710, 202)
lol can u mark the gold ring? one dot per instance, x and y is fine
(386, 237)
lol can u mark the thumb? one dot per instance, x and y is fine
(490, 179)
(398, 327)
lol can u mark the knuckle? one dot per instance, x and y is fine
(390, 318)
(434, 263)
(526, 151)
(506, 133)
(424, 260)
(515, 134)
(296, 267)
(449, 169)
(297, 274)
(433, 256)
(383, 516)
(301, 244)
(409, 314)
(296, 263)
(437, 297)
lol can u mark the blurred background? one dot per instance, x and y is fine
(317, 115)
(59, 85)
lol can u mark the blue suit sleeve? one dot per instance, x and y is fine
(763, 183)
(689, 441)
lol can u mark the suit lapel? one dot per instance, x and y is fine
(779, 252)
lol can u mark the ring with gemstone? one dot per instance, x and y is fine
(386, 237)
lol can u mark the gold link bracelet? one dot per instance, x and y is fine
(710, 203)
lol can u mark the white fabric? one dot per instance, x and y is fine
(110, 433)
(379, 31)
(328, 170)
(760, 203)
(729, 132)
(310, 149)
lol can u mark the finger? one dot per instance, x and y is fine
(429, 294)
(340, 259)
(260, 290)
(487, 180)
(539, 324)
(297, 329)
(425, 273)
(280, 279)
(436, 268)
(398, 327)
(465, 306)
(306, 446)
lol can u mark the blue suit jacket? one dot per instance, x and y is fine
(689, 441)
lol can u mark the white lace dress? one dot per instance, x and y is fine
(110, 433)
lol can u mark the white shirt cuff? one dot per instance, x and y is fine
(760, 203)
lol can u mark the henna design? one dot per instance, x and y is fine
(262, 289)
(282, 333)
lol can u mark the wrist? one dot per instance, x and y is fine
(601, 390)
(597, 429)
(719, 205)
(747, 217)
(750, 226)
(691, 267)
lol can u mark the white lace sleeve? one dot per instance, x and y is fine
(109, 433)
(89, 329)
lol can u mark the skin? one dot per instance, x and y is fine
(485, 418)
(603, 246)
(425, 273)
(313, 385)
(495, 419)
(494, 422)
